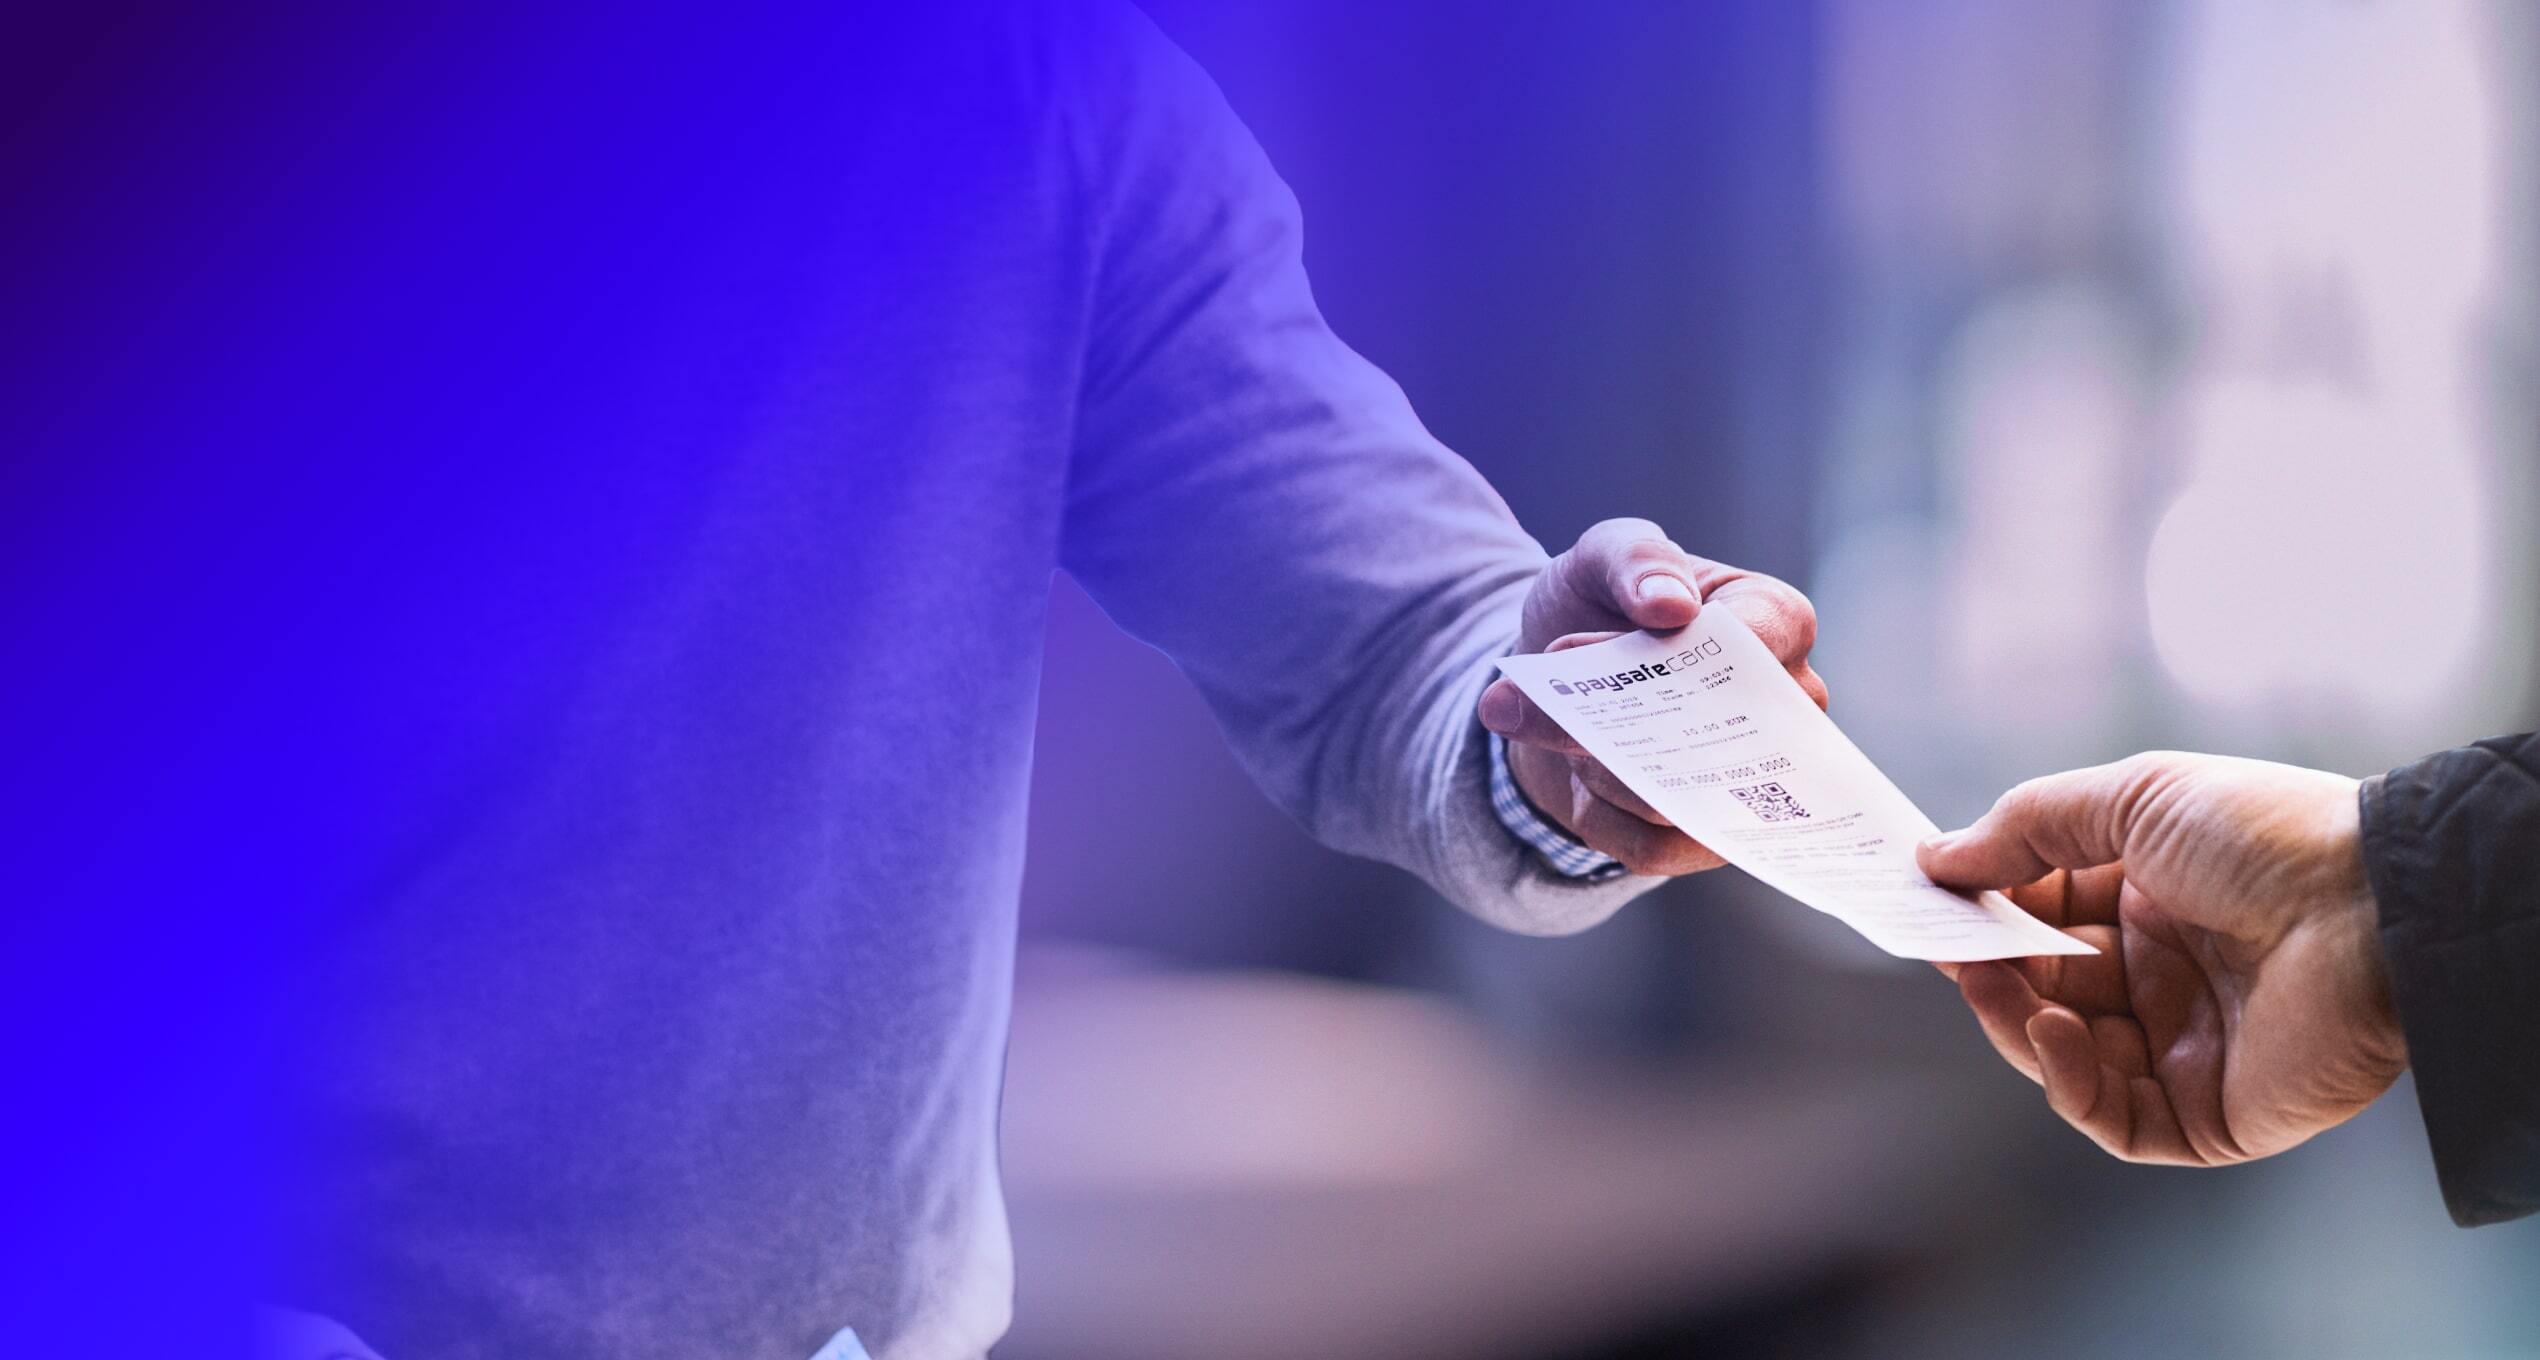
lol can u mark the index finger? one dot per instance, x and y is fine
(1505, 709)
(2076, 820)
(1780, 617)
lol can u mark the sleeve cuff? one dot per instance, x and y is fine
(2452, 845)
(1565, 853)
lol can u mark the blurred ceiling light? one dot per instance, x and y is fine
(2332, 553)
(2321, 139)
(2323, 557)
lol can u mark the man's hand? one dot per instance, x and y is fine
(1626, 574)
(2238, 1004)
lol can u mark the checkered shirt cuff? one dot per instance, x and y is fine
(1559, 848)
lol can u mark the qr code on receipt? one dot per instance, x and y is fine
(1769, 802)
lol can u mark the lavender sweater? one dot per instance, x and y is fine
(749, 388)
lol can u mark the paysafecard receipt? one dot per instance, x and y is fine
(1709, 729)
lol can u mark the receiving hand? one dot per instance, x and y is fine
(1626, 574)
(2238, 1004)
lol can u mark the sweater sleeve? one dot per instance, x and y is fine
(1260, 503)
(2452, 844)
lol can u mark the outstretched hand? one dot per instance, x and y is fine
(1625, 574)
(2238, 1004)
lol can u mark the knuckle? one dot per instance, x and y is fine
(1624, 529)
(1642, 553)
(2017, 799)
(2141, 763)
(1803, 619)
(2138, 778)
(2146, 768)
(1793, 617)
(1620, 543)
(2152, 765)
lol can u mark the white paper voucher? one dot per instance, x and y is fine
(1705, 725)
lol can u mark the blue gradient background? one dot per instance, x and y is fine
(1614, 255)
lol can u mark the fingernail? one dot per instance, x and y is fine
(1941, 841)
(1501, 712)
(1658, 587)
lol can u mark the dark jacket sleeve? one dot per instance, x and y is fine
(2453, 847)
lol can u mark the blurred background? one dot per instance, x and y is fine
(2113, 375)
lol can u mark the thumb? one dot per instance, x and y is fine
(2073, 820)
(1627, 570)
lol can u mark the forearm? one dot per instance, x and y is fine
(1259, 502)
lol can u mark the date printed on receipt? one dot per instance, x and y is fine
(1705, 725)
